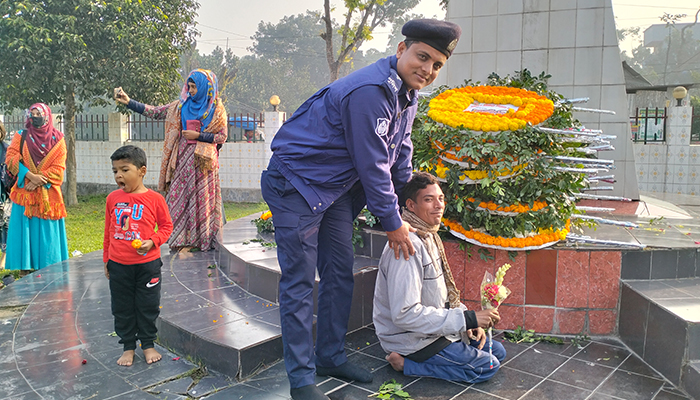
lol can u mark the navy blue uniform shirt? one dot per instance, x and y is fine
(356, 128)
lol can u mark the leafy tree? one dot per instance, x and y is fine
(59, 52)
(288, 60)
(361, 18)
(295, 43)
(677, 60)
(395, 38)
(258, 78)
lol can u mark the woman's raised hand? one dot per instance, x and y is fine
(120, 96)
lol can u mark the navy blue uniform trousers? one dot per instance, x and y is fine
(307, 242)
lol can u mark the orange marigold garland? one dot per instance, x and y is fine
(490, 108)
(540, 240)
(481, 142)
(507, 210)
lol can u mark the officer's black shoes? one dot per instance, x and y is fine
(308, 392)
(346, 371)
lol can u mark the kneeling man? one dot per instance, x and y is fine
(418, 317)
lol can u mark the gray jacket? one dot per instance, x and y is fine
(409, 301)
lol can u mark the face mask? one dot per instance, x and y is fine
(38, 122)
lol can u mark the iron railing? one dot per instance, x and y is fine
(144, 129)
(14, 123)
(649, 125)
(242, 128)
(92, 127)
(246, 128)
(695, 126)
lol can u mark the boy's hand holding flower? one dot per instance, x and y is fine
(145, 246)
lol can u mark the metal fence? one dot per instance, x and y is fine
(87, 127)
(14, 123)
(242, 128)
(92, 127)
(649, 125)
(695, 126)
(144, 129)
(246, 128)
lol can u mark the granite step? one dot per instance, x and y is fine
(690, 380)
(220, 308)
(213, 321)
(254, 267)
(660, 321)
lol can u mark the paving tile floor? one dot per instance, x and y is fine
(54, 318)
(598, 369)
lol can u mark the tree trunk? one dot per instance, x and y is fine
(70, 193)
(333, 65)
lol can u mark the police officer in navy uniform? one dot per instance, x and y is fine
(346, 146)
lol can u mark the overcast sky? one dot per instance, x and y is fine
(233, 22)
(237, 20)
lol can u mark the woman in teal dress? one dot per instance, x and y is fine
(37, 231)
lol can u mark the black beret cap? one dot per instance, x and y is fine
(441, 35)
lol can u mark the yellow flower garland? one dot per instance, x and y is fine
(450, 108)
(475, 175)
(514, 208)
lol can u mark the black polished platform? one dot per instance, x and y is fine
(220, 319)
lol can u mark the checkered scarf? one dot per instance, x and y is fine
(428, 233)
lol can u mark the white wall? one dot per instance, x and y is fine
(672, 166)
(240, 163)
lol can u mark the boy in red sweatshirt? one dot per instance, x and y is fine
(131, 253)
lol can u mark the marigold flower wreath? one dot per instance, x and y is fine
(501, 190)
(490, 108)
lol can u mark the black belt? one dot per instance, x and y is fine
(429, 350)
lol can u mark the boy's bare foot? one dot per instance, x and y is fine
(126, 359)
(396, 361)
(151, 355)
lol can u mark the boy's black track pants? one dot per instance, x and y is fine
(135, 291)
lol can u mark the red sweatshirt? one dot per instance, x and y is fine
(130, 216)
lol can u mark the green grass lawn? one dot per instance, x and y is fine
(85, 222)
